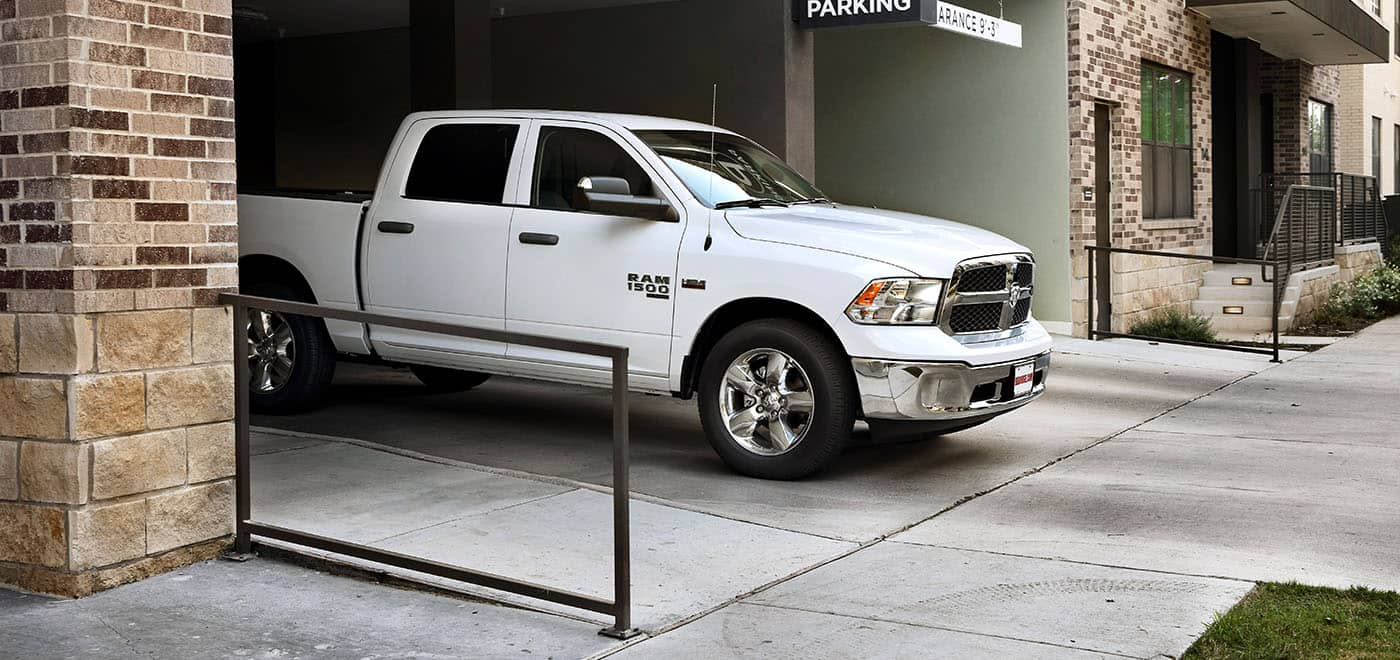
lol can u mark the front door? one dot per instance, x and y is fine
(435, 241)
(589, 276)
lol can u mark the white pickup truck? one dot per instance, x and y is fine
(726, 274)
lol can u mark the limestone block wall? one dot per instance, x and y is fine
(1315, 286)
(117, 233)
(1143, 285)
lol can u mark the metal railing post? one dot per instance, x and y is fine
(622, 519)
(1093, 257)
(243, 543)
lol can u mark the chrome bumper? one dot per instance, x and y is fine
(942, 390)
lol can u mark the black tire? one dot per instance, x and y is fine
(313, 366)
(439, 379)
(832, 388)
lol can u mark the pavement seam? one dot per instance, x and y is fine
(1080, 562)
(942, 628)
(1264, 438)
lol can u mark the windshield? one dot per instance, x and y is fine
(742, 170)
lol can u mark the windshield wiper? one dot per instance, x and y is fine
(814, 200)
(750, 203)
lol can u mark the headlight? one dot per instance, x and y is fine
(898, 302)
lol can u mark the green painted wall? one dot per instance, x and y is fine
(919, 119)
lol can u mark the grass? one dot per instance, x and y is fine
(1172, 323)
(1287, 621)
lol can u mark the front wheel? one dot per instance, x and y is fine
(777, 399)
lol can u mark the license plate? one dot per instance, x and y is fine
(1023, 378)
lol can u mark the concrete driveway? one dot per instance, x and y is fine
(1114, 518)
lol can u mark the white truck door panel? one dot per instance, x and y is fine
(589, 276)
(436, 237)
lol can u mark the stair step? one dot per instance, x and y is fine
(1248, 323)
(1253, 308)
(1224, 278)
(1245, 293)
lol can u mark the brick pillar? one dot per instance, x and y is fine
(118, 232)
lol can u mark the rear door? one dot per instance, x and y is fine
(436, 239)
(593, 277)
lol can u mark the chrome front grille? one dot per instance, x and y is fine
(989, 298)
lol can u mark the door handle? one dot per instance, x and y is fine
(531, 238)
(389, 227)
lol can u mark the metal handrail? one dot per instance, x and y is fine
(620, 607)
(1283, 225)
(1094, 251)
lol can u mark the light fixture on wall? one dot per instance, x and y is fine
(1233, 310)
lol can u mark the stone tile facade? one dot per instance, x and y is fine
(117, 233)
(1108, 41)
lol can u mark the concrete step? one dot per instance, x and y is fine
(1249, 324)
(1218, 277)
(1253, 308)
(1245, 293)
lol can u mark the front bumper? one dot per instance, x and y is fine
(938, 391)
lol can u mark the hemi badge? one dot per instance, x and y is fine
(693, 284)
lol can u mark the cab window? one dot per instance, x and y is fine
(462, 163)
(566, 155)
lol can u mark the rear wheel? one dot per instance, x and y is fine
(776, 399)
(439, 379)
(290, 358)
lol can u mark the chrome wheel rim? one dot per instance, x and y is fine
(766, 402)
(271, 351)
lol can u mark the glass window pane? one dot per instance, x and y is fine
(1149, 196)
(462, 163)
(566, 155)
(1163, 102)
(1162, 179)
(1148, 134)
(1183, 110)
(1181, 183)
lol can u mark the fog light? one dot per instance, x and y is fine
(1242, 281)
(1233, 309)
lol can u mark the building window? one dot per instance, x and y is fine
(1376, 148)
(1167, 180)
(1396, 172)
(1395, 34)
(1319, 137)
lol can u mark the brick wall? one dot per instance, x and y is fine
(1108, 40)
(1293, 83)
(118, 232)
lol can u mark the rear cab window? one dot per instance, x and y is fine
(465, 163)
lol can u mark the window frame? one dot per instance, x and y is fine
(527, 196)
(427, 127)
(1178, 115)
(1377, 126)
(1328, 135)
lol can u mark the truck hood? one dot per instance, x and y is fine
(928, 247)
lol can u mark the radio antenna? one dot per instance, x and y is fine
(714, 112)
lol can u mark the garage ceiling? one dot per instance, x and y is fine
(269, 19)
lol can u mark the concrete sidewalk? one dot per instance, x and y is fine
(1114, 518)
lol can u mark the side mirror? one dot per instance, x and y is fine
(613, 196)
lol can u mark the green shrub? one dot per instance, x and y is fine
(1172, 323)
(1371, 297)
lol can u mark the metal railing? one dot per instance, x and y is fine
(1347, 208)
(1304, 233)
(620, 608)
(1096, 252)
